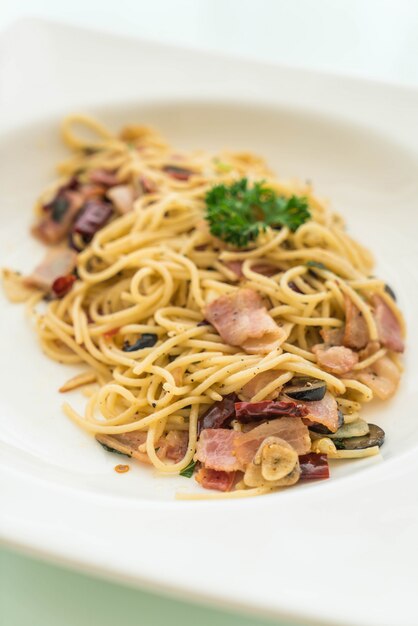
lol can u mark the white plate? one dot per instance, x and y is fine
(343, 551)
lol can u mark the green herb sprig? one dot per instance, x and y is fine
(238, 213)
(188, 471)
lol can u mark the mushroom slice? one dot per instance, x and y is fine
(359, 428)
(275, 464)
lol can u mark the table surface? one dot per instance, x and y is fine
(376, 39)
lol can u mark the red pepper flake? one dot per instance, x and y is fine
(219, 414)
(62, 285)
(111, 333)
(248, 411)
(122, 469)
(92, 218)
(179, 173)
(314, 466)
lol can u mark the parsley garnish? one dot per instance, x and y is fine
(238, 213)
(109, 449)
(188, 471)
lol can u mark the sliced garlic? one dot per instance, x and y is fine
(275, 464)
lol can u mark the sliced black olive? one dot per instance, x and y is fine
(180, 173)
(307, 389)
(59, 208)
(109, 449)
(323, 430)
(376, 437)
(147, 340)
(390, 292)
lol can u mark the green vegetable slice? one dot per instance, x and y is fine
(188, 471)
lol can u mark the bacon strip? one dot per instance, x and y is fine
(242, 320)
(336, 359)
(54, 226)
(263, 267)
(388, 327)
(215, 449)
(323, 412)
(212, 479)
(122, 197)
(227, 450)
(173, 445)
(332, 336)
(356, 332)
(57, 262)
(258, 383)
(126, 443)
(382, 377)
(291, 429)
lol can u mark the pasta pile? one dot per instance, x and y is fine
(153, 271)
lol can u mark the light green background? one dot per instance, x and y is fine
(34, 593)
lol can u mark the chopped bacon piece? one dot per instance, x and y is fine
(336, 359)
(264, 268)
(258, 383)
(91, 190)
(171, 446)
(382, 377)
(148, 185)
(55, 225)
(247, 411)
(388, 327)
(215, 449)
(371, 348)
(218, 414)
(313, 466)
(323, 412)
(57, 263)
(332, 336)
(126, 443)
(356, 333)
(62, 285)
(174, 445)
(242, 320)
(235, 267)
(212, 479)
(122, 197)
(103, 177)
(291, 429)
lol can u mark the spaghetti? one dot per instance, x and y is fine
(137, 314)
